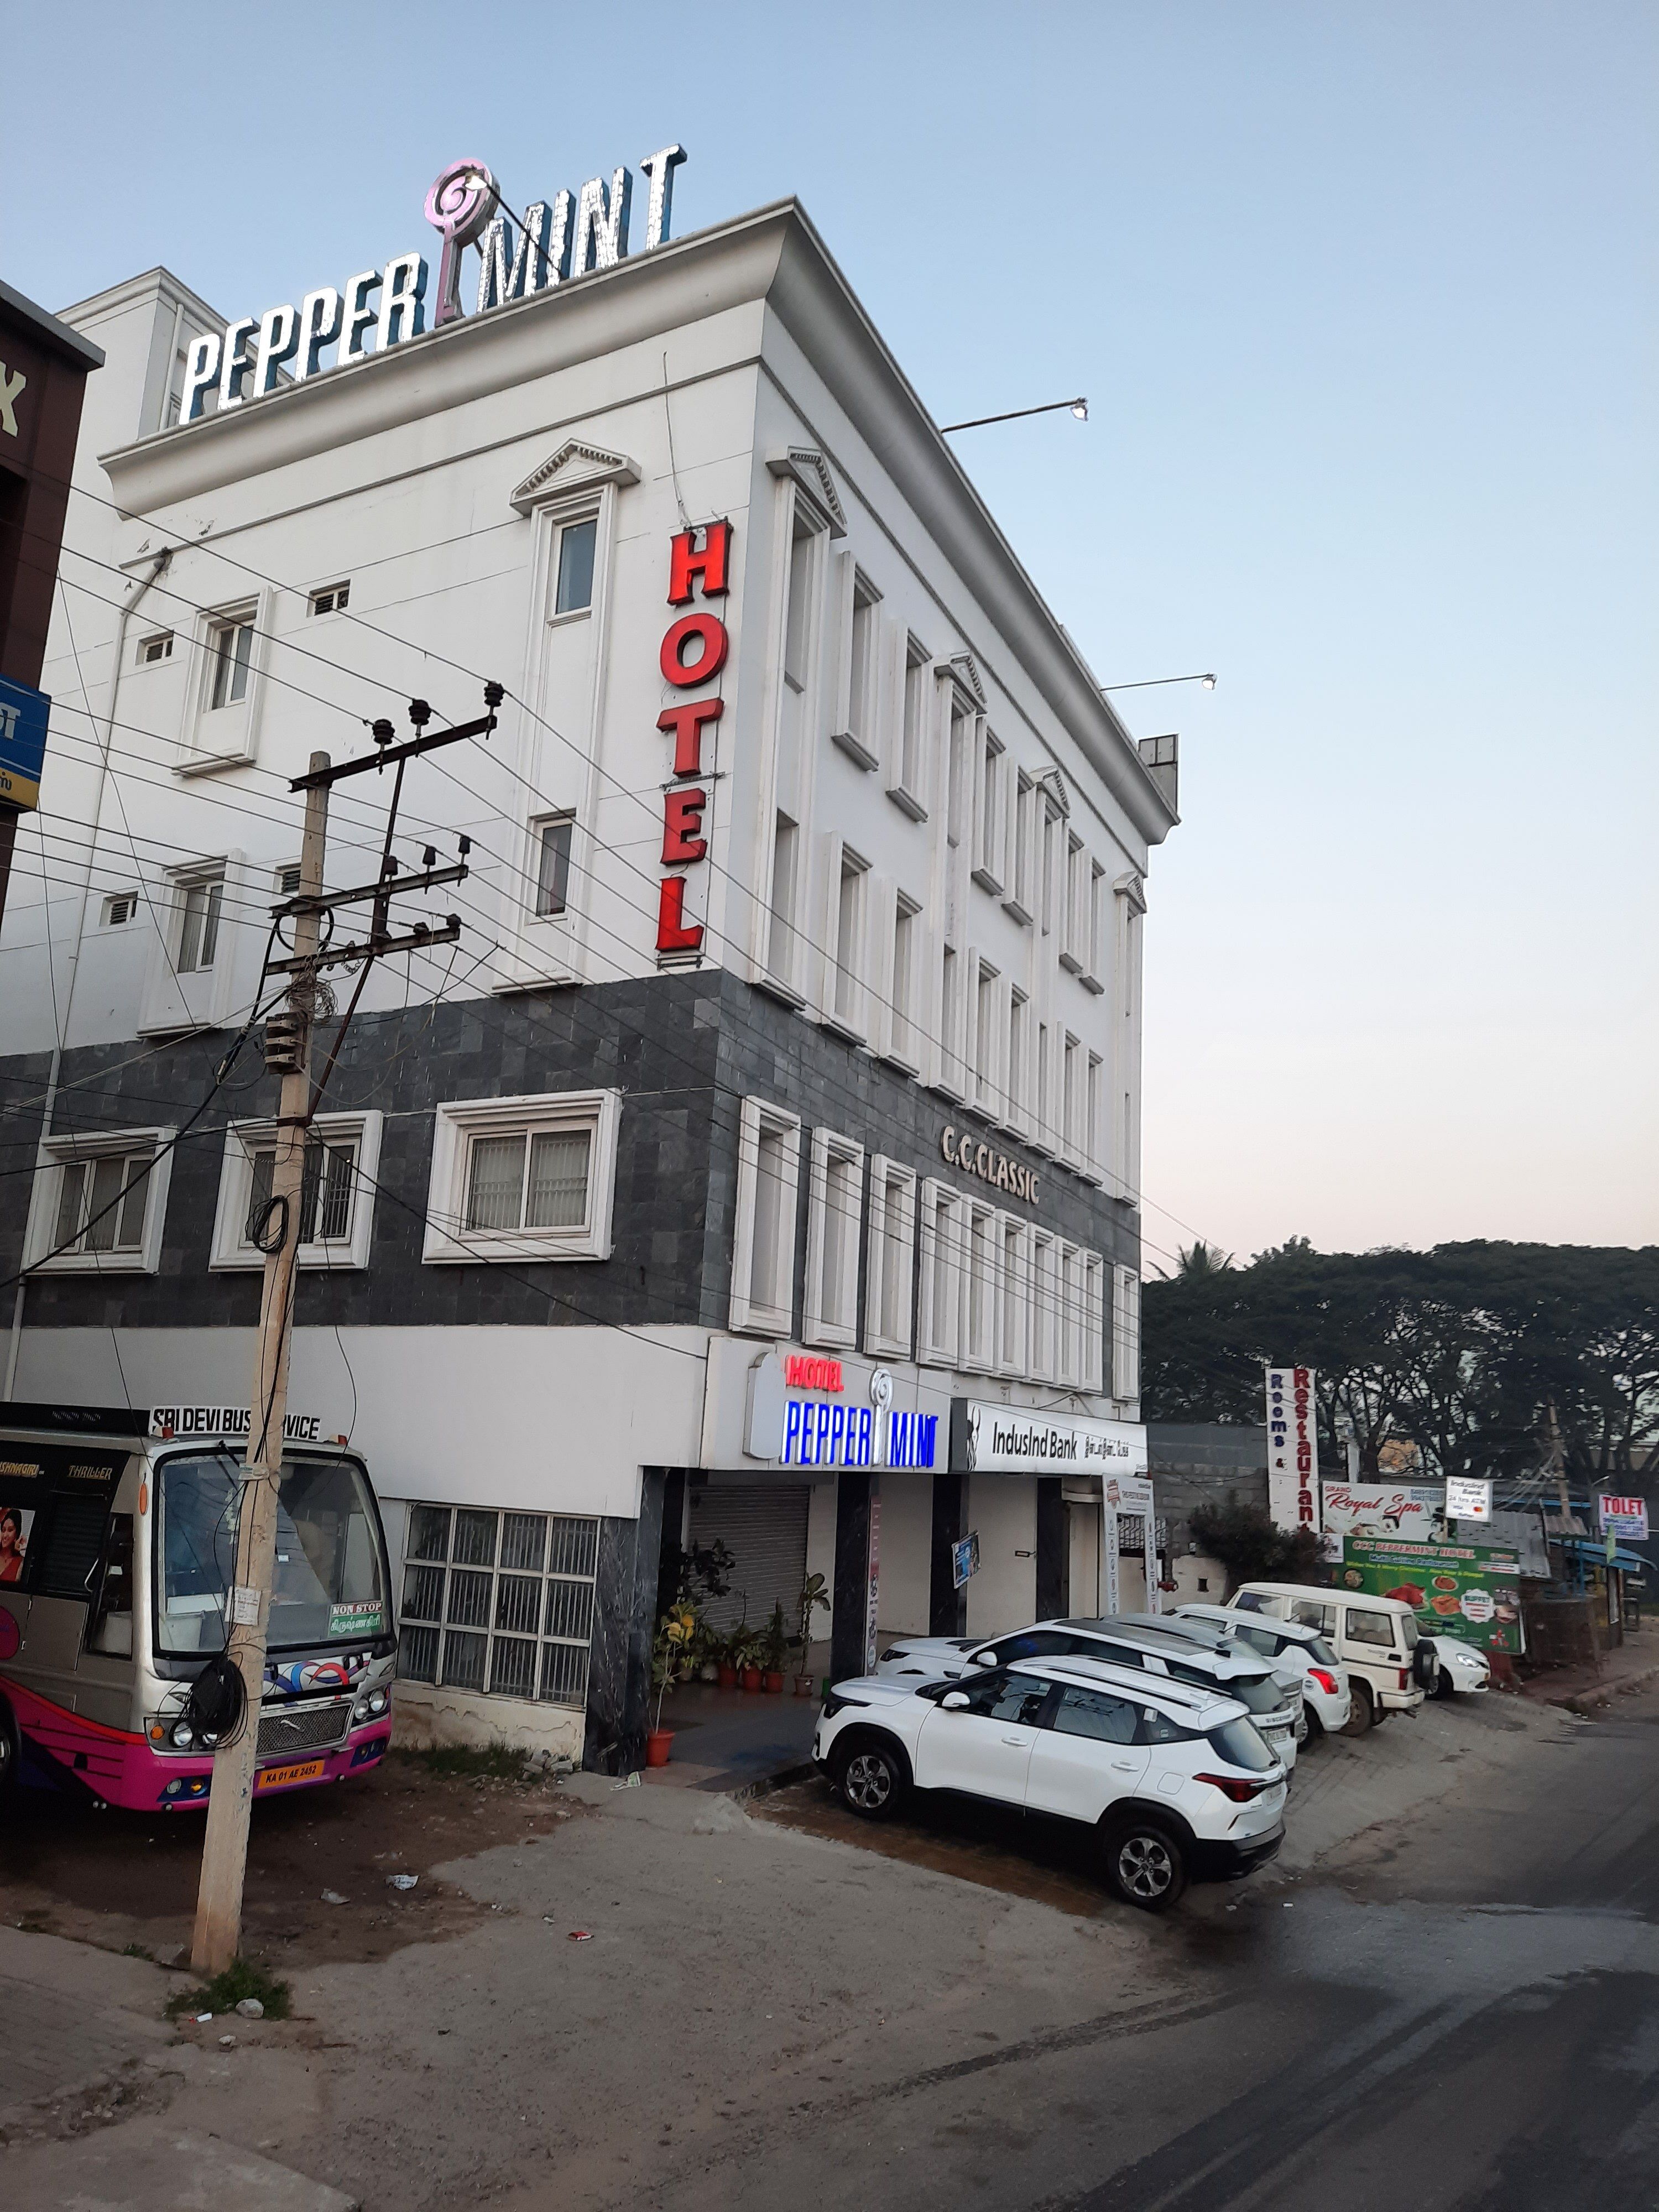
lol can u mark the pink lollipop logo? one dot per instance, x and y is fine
(462, 200)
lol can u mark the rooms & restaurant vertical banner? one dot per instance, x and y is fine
(1292, 1450)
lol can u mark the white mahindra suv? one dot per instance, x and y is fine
(1178, 1782)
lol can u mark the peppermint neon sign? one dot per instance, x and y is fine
(568, 236)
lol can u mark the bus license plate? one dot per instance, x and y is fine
(278, 1777)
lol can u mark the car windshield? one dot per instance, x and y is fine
(1238, 1743)
(327, 1583)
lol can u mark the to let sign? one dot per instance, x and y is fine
(1623, 1516)
(23, 716)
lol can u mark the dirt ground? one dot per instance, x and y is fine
(128, 1880)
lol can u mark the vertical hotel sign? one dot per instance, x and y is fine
(691, 656)
(1292, 1450)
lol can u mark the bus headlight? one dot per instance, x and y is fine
(369, 1707)
(183, 1735)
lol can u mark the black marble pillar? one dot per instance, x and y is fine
(855, 1487)
(1053, 1561)
(624, 1623)
(947, 1605)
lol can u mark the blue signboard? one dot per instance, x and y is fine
(23, 715)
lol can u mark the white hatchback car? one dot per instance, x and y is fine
(1327, 1694)
(1178, 1783)
(1465, 1672)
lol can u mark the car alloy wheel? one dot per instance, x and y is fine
(1147, 1868)
(867, 1782)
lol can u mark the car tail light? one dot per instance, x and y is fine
(1240, 1787)
(1327, 1683)
(1405, 1678)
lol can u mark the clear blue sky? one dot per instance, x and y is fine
(1362, 297)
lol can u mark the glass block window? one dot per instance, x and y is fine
(499, 1603)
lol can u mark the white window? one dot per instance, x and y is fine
(1022, 901)
(910, 790)
(1094, 1321)
(573, 566)
(849, 885)
(1044, 1133)
(986, 1038)
(119, 908)
(763, 1240)
(959, 770)
(903, 1042)
(97, 1203)
(948, 1070)
(1095, 1114)
(1073, 946)
(1072, 1096)
(1073, 1316)
(1045, 1307)
(521, 1179)
(1019, 1046)
(1054, 869)
(332, 600)
(858, 721)
(337, 1195)
(990, 831)
(1126, 1334)
(1014, 1321)
(782, 938)
(834, 1208)
(1099, 895)
(890, 1267)
(553, 866)
(230, 657)
(983, 1289)
(940, 1261)
(200, 904)
(156, 648)
(501, 1604)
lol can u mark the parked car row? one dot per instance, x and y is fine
(1173, 1735)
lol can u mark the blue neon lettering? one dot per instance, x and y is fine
(837, 1434)
(791, 1429)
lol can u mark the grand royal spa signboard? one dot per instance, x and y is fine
(553, 242)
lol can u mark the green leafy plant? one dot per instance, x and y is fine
(814, 1593)
(1252, 1549)
(773, 1641)
(497, 1760)
(671, 1653)
(241, 1978)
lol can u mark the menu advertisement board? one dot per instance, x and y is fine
(1469, 1590)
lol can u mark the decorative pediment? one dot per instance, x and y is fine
(813, 479)
(1053, 783)
(966, 672)
(1131, 888)
(575, 467)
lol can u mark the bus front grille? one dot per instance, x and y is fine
(303, 1727)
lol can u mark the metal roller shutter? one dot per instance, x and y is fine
(764, 1525)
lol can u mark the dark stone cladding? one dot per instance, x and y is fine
(684, 1048)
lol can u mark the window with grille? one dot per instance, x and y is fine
(499, 1603)
(101, 1202)
(119, 907)
(336, 1192)
(152, 649)
(97, 1203)
(524, 1178)
(333, 600)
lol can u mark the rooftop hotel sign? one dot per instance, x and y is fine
(565, 237)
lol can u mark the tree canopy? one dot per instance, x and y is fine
(1463, 1350)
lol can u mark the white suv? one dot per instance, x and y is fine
(1326, 1695)
(1178, 1782)
(1190, 1651)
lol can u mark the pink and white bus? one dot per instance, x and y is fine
(117, 1542)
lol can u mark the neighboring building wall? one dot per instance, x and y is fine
(1202, 1463)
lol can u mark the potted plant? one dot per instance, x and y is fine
(747, 1655)
(813, 1594)
(705, 1653)
(668, 1654)
(773, 1639)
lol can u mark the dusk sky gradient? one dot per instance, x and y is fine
(1363, 300)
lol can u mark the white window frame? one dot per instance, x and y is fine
(1070, 1332)
(558, 818)
(1073, 1099)
(1125, 1336)
(458, 1122)
(985, 1057)
(1094, 1323)
(1074, 871)
(901, 1034)
(1098, 893)
(856, 724)
(243, 1140)
(131, 895)
(338, 595)
(783, 929)
(1017, 1100)
(959, 725)
(175, 1001)
(1045, 1307)
(938, 1334)
(1043, 1138)
(154, 650)
(753, 1315)
(990, 868)
(950, 1060)
(581, 509)
(844, 1002)
(892, 1218)
(228, 736)
(981, 1275)
(56, 1153)
(913, 742)
(1021, 901)
(569, 1567)
(1015, 1316)
(1094, 1118)
(827, 1219)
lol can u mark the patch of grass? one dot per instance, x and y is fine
(138, 1951)
(241, 1978)
(497, 1760)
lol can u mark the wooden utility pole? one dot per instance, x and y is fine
(224, 1849)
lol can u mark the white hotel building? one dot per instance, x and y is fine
(805, 1023)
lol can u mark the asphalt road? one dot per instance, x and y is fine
(1456, 2014)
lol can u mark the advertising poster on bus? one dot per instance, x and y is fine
(1469, 1590)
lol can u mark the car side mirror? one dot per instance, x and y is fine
(954, 1701)
(986, 1658)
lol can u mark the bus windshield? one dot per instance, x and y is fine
(327, 1583)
